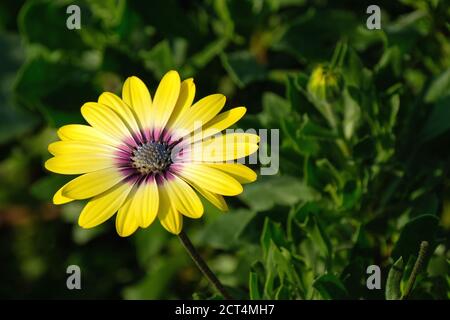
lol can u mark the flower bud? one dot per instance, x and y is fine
(324, 83)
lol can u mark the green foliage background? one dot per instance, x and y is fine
(364, 145)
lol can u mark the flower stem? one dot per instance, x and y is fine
(201, 264)
(416, 269)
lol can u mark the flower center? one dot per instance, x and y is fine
(152, 157)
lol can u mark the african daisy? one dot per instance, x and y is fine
(143, 158)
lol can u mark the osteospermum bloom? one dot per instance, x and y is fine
(144, 158)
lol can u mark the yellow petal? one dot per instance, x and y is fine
(106, 120)
(122, 109)
(185, 99)
(166, 97)
(69, 147)
(168, 216)
(58, 198)
(216, 199)
(81, 132)
(219, 123)
(136, 95)
(219, 153)
(145, 203)
(183, 197)
(93, 183)
(200, 113)
(210, 179)
(126, 221)
(103, 206)
(78, 163)
(224, 147)
(241, 173)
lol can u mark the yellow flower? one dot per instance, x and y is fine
(324, 83)
(144, 158)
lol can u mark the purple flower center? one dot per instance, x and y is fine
(152, 157)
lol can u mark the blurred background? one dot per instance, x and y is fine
(364, 119)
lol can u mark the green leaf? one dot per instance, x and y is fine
(438, 122)
(330, 287)
(59, 102)
(439, 88)
(302, 40)
(393, 290)
(353, 69)
(404, 31)
(353, 275)
(421, 228)
(271, 273)
(200, 59)
(282, 190)
(154, 284)
(331, 172)
(362, 243)
(282, 293)
(37, 18)
(222, 10)
(224, 232)
(14, 121)
(352, 114)
(275, 108)
(320, 238)
(394, 103)
(296, 94)
(109, 11)
(255, 293)
(301, 213)
(301, 143)
(159, 59)
(280, 272)
(365, 148)
(169, 18)
(149, 243)
(243, 67)
(44, 188)
(311, 129)
(272, 232)
(83, 236)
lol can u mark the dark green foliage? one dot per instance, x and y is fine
(364, 154)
